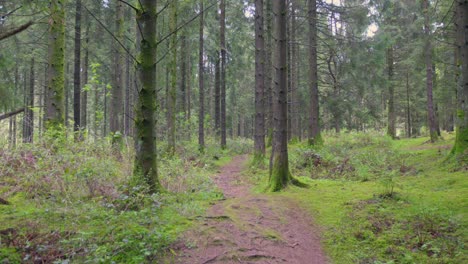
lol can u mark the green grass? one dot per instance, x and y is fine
(76, 201)
(383, 201)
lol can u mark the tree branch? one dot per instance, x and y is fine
(12, 113)
(14, 31)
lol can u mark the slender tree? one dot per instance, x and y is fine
(172, 95)
(117, 87)
(28, 119)
(259, 83)
(314, 124)
(77, 69)
(429, 73)
(391, 126)
(145, 119)
(222, 33)
(201, 115)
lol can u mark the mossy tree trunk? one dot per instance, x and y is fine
(314, 122)
(461, 140)
(259, 84)
(55, 103)
(145, 167)
(279, 167)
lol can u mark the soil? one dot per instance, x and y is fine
(250, 228)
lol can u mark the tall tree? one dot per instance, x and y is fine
(461, 140)
(391, 126)
(172, 95)
(77, 69)
(222, 34)
(280, 176)
(117, 87)
(145, 167)
(201, 74)
(54, 115)
(429, 73)
(314, 123)
(28, 119)
(259, 139)
(84, 96)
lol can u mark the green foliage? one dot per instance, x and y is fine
(76, 200)
(386, 203)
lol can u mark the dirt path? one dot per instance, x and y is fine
(250, 228)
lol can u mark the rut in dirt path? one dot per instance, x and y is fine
(250, 228)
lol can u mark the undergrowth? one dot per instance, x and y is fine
(75, 201)
(380, 200)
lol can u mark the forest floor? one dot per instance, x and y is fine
(247, 227)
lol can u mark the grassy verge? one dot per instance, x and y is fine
(383, 201)
(75, 202)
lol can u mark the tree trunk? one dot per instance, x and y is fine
(84, 96)
(128, 98)
(294, 75)
(391, 129)
(408, 109)
(429, 74)
(269, 72)
(461, 140)
(145, 168)
(222, 20)
(280, 176)
(117, 89)
(67, 95)
(28, 128)
(201, 74)
(183, 74)
(259, 84)
(314, 125)
(77, 71)
(173, 80)
(217, 98)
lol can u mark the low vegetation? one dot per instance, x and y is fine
(383, 201)
(76, 201)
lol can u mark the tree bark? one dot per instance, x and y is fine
(173, 80)
(294, 74)
(77, 71)
(145, 168)
(408, 109)
(429, 74)
(314, 125)
(217, 97)
(461, 140)
(280, 176)
(56, 57)
(28, 119)
(391, 129)
(259, 84)
(201, 74)
(117, 89)
(84, 96)
(222, 20)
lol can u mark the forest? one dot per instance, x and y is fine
(234, 131)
